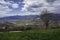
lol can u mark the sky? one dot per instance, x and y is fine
(28, 7)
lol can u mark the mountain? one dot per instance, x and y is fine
(18, 18)
(56, 17)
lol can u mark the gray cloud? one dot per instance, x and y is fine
(37, 6)
(33, 7)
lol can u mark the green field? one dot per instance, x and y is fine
(20, 23)
(53, 34)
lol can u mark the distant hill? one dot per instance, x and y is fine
(30, 17)
(18, 18)
(56, 17)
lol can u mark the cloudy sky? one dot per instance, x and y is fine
(27, 7)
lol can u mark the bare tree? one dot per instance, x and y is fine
(46, 17)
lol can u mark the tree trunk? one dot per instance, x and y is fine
(47, 24)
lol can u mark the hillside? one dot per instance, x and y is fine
(56, 17)
(18, 18)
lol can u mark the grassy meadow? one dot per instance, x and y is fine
(24, 23)
(49, 34)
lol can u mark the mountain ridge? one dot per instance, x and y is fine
(29, 17)
(18, 18)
